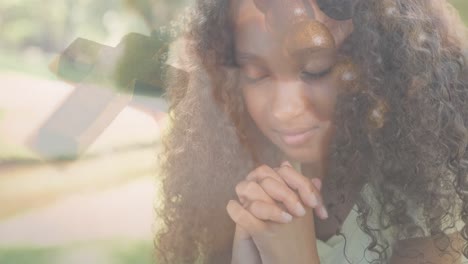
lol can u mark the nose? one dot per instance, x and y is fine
(289, 101)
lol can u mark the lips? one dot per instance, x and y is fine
(297, 138)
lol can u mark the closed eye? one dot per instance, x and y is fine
(253, 73)
(315, 75)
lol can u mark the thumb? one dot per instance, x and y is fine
(241, 234)
(244, 250)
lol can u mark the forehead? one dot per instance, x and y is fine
(250, 26)
(242, 10)
(250, 29)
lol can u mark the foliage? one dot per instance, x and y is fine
(462, 6)
(104, 252)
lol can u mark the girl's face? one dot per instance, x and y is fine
(291, 96)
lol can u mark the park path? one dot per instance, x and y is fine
(107, 194)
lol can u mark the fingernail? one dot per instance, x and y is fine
(286, 163)
(300, 211)
(312, 200)
(323, 212)
(317, 183)
(286, 217)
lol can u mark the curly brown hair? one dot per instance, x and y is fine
(412, 58)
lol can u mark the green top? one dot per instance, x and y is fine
(356, 242)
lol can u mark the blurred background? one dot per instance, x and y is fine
(78, 138)
(78, 162)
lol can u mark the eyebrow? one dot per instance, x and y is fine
(251, 44)
(245, 56)
(309, 50)
(316, 60)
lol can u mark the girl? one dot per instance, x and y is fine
(317, 131)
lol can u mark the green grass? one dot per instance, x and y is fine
(16, 62)
(105, 252)
(462, 7)
(25, 256)
(10, 151)
(15, 152)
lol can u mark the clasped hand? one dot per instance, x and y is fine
(275, 217)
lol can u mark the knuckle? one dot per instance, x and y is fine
(286, 195)
(282, 168)
(267, 181)
(285, 170)
(259, 210)
(240, 217)
(291, 198)
(263, 169)
(309, 186)
(239, 187)
(273, 184)
(255, 208)
(304, 183)
(251, 175)
(285, 173)
(243, 216)
(251, 186)
(254, 205)
(232, 211)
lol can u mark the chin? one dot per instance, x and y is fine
(303, 155)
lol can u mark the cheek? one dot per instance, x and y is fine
(254, 104)
(322, 97)
(257, 104)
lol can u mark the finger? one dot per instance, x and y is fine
(244, 218)
(321, 210)
(283, 193)
(253, 195)
(267, 211)
(262, 172)
(317, 183)
(266, 173)
(309, 194)
(251, 191)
